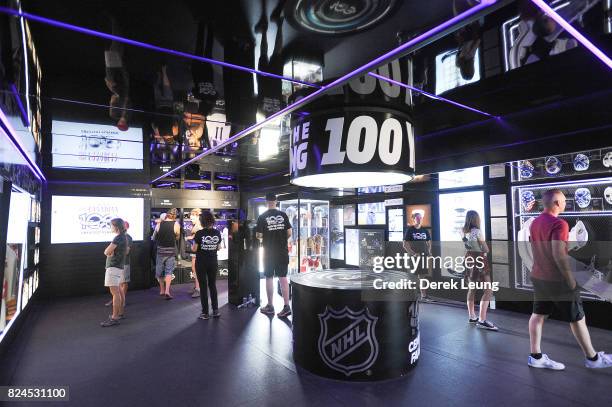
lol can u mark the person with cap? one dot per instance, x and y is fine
(167, 232)
(554, 286)
(273, 231)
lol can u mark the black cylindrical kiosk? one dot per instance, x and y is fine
(345, 329)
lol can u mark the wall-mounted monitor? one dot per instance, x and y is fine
(466, 177)
(371, 213)
(81, 219)
(86, 145)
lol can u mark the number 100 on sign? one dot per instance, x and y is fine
(362, 140)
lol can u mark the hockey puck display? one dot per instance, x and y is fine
(337, 16)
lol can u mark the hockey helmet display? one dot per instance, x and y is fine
(526, 169)
(552, 165)
(528, 200)
(608, 195)
(582, 197)
(578, 236)
(607, 160)
(581, 162)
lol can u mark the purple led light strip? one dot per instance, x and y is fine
(430, 95)
(145, 45)
(24, 115)
(10, 132)
(568, 27)
(361, 70)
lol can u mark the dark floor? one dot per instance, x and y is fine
(162, 355)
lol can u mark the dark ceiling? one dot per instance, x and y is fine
(575, 76)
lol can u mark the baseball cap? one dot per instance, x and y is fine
(270, 197)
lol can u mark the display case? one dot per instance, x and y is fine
(588, 213)
(363, 244)
(453, 208)
(589, 162)
(309, 243)
(336, 233)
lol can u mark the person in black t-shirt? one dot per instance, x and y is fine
(417, 242)
(273, 230)
(206, 243)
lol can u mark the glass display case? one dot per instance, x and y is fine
(597, 161)
(363, 244)
(336, 233)
(589, 215)
(453, 208)
(309, 243)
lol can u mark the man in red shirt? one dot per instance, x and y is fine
(555, 286)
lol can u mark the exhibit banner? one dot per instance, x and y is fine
(87, 145)
(81, 219)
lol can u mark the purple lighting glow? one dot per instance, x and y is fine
(99, 34)
(430, 95)
(406, 47)
(10, 133)
(568, 27)
(24, 115)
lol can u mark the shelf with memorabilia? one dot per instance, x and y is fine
(588, 213)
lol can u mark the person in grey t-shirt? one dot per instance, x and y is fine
(115, 260)
(126, 266)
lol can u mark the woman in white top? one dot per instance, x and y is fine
(476, 255)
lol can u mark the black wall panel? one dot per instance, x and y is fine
(77, 269)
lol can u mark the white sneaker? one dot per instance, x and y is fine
(603, 360)
(545, 363)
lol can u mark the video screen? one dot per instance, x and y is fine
(86, 145)
(461, 178)
(81, 219)
(371, 213)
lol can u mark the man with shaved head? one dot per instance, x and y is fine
(555, 287)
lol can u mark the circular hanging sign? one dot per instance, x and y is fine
(337, 16)
(352, 147)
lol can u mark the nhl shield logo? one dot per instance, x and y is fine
(347, 342)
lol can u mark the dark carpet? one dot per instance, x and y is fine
(162, 355)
